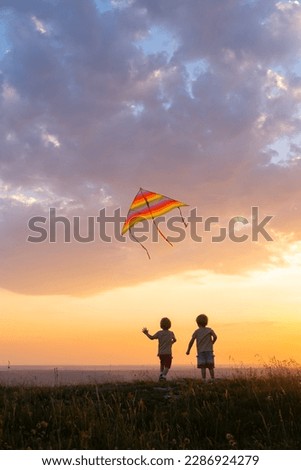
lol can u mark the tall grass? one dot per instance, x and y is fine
(248, 411)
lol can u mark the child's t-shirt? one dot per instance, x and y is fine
(166, 339)
(203, 337)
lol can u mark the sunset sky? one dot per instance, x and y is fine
(199, 100)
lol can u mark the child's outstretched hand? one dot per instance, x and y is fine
(145, 330)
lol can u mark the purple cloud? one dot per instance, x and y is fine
(88, 115)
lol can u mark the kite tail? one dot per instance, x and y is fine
(162, 235)
(185, 223)
(138, 241)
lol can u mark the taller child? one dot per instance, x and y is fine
(205, 337)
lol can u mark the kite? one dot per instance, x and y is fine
(149, 205)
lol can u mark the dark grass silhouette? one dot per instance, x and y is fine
(246, 411)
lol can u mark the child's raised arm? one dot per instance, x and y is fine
(145, 331)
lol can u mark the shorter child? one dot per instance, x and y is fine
(166, 339)
(205, 338)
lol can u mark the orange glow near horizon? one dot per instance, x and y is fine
(256, 318)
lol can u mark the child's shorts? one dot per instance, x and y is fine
(165, 360)
(206, 359)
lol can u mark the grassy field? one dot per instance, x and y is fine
(244, 412)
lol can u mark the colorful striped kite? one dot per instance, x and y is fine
(148, 205)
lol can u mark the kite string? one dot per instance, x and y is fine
(184, 222)
(162, 234)
(138, 241)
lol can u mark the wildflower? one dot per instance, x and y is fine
(42, 425)
(231, 441)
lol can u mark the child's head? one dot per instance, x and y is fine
(165, 323)
(202, 320)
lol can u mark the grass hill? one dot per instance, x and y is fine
(243, 412)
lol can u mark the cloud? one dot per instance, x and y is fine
(88, 115)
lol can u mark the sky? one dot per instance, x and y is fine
(198, 100)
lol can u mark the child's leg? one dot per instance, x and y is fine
(161, 368)
(203, 371)
(165, 365)
(210, 363)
